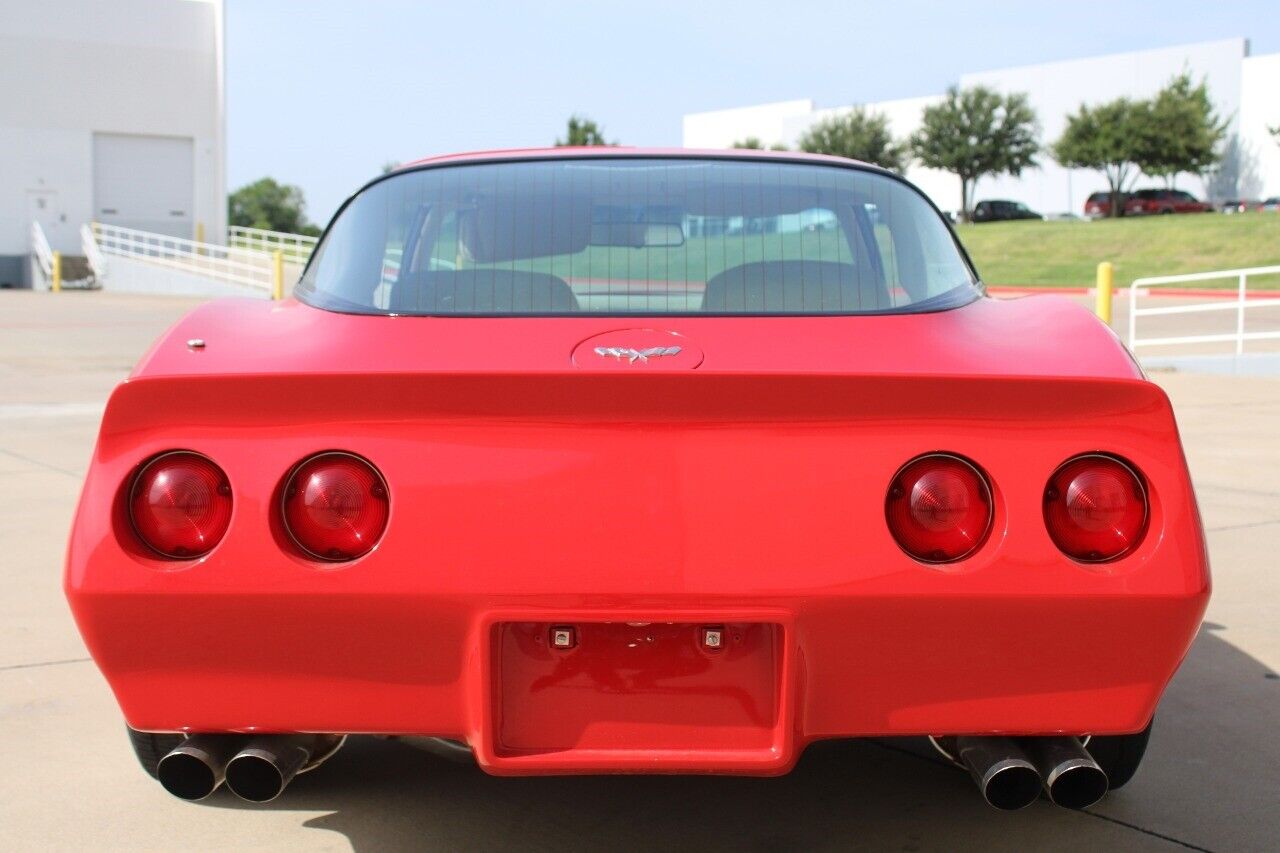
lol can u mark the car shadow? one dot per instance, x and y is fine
(1212, 749)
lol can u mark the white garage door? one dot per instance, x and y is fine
(144, 182)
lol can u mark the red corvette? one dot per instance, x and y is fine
(618, 461)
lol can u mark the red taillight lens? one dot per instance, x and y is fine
(1095, 508)
(335, 506)
(939, 508)
(180, 505)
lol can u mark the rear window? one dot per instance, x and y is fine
(637, 236)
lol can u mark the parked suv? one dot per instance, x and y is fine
(1164, 201)
(999, 210)
(1099, 204)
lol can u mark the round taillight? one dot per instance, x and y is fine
(180, 505)
(335, 506)
(939, 508)
(1095, 508)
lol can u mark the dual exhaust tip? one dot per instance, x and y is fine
(255, 769)
(1010, 773)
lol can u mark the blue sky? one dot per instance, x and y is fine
(321, 94)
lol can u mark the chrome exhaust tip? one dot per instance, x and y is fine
(1003, 772)
(196, 767)
(1071, 776)
(264, 768)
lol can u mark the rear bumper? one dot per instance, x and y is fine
(813, 667)
(683, 498)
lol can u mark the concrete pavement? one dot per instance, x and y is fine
(68, 779)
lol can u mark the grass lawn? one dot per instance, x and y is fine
(1067, 253)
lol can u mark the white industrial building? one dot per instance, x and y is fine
(110, 112)
(1245, 89)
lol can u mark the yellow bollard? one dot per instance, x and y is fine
(277, 275)
(200, 237)
(55, 279)
(1102, 305)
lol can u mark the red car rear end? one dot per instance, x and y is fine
(1098, 205)
(639, 463)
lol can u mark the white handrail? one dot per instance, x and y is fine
(41, 249)
(226, 263)
(92, 252)
(298, 246)
(1239, 305)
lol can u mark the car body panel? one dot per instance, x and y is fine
(623, 517)
(1098, 204)
(1163, 201)
(639, 502)
(988, 337)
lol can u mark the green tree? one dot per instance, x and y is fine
(976, 132)
(582, 131)
(270, 205)
(1181, 132)
(1110, 138)
(753, 143)
(858, 135)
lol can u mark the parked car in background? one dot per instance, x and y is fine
(1000, 210)
(1272, 205)
(1239, 205)
(1098, 205)
(1164, 201)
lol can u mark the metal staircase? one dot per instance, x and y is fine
(52, 270)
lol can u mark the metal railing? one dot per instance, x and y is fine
(1239, 305)
(294, 247)
(92, 252)
(41, 250)
(222, 263)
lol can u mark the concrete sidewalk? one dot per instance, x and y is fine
(68, 779)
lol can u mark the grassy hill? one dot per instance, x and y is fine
(1067, 253)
